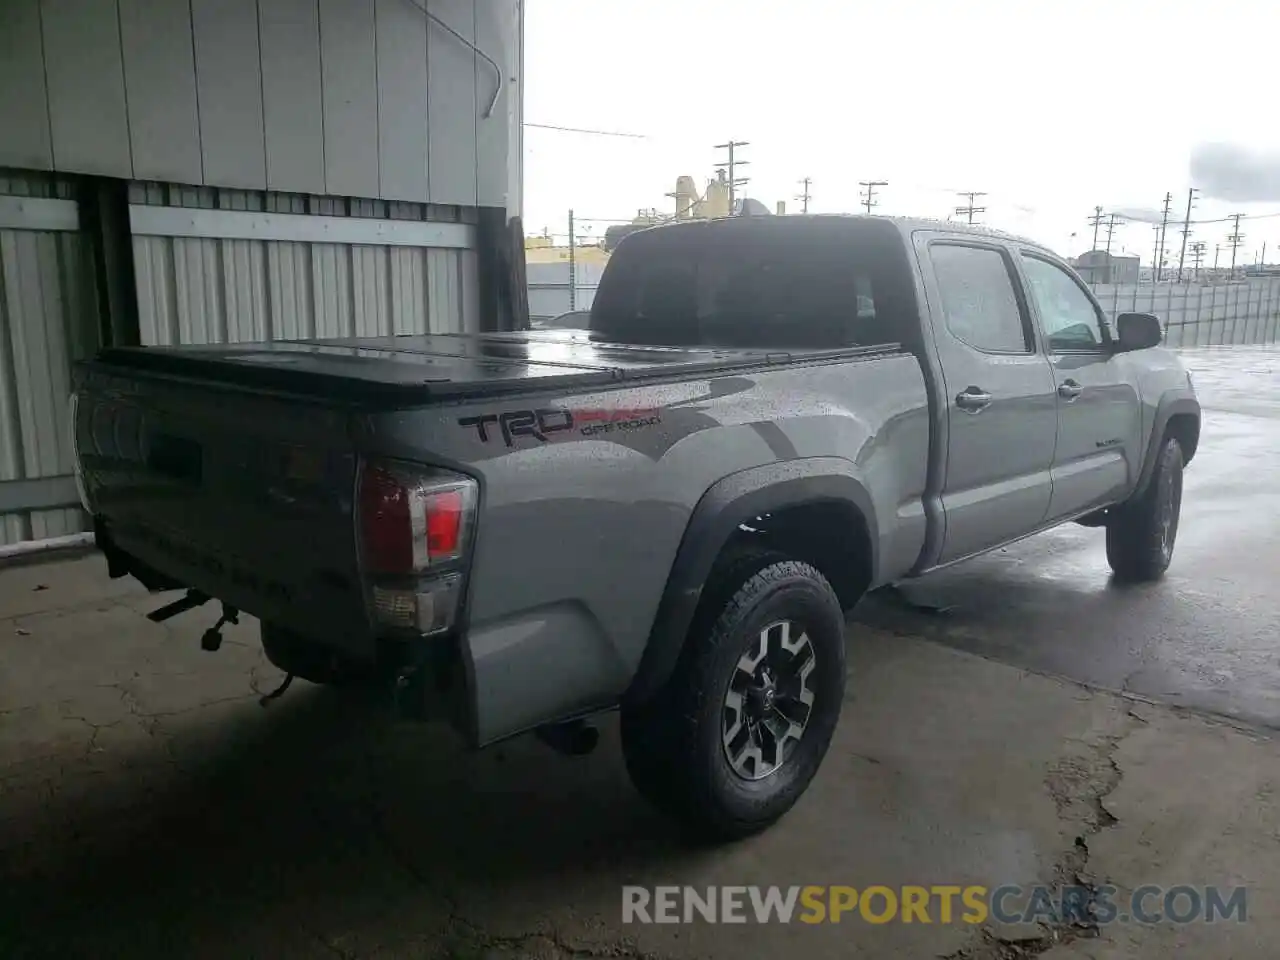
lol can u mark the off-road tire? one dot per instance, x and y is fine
(673, 743)
(1141, 534)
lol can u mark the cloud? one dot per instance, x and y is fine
(1224, 171)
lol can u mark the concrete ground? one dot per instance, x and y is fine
(150, 807)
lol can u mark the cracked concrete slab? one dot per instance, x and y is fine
(149, 806)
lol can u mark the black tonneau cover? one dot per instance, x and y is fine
(443, 366)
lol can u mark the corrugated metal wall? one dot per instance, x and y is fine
(48, 316)
(203, 290)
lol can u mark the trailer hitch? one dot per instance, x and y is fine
(211, 639)
(193, 599)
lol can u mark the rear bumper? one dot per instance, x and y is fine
(425, 679)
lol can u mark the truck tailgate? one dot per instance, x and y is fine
(241, 494)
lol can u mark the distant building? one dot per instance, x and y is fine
(1098, 266)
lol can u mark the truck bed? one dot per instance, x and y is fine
(443, 366)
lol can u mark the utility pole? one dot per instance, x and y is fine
(1186, 229)
(804, 197)
(573, 273)
(969, 210)
(1096, 221)
(1155, 254)
(731, 166)
(1197, 256)
(1234, 239)
(1164, 225)
(1111, 228)
(1217, 249)
(869, 194)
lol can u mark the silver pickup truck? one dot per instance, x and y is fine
(667, 512)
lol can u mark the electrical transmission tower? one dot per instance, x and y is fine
(969, 209)
(1197, 256)
(1164, 225)
(1186, 230)
(804, 197)
(1234, 239)
(869, 193)
(730, 167)
(1095, 221)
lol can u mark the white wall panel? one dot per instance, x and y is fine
(348, 65)
(85, 76)
(452, 104)
(48, 317)
(293, 111)
(160, 83)
(24, 104)
(219, 290)
(351, 98)
(229, 84)
(403, 140)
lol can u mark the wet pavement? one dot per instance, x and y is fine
(1207, 637)
(150, 807)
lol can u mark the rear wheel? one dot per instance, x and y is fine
(1141, 534)
(741, 727)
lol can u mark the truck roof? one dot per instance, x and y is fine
(800, 221)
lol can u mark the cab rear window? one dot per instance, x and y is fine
(753, 285)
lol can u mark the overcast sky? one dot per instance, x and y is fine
(1052, 108)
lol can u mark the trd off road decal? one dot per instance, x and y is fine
(553, 423)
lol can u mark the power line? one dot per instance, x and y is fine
(805, 197)
(594, 133)
(869, 194)
(969, 210)
(730, 167)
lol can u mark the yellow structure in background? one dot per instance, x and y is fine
(689, 205)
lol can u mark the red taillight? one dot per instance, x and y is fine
(411, 520)
(444, 523)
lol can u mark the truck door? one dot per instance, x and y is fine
(1099, 453)
(1001, 414)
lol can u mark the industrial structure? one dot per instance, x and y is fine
(1099, 266)
(231, 170)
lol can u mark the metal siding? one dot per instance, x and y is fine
(85, 75)
(496, 28)
(293, 109)
(229, 85)
(160, 83)
(451, 104)
(349, 72)
(403, 140)
(48, 317)
(24, 100)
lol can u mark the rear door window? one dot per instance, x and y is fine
(979, 304)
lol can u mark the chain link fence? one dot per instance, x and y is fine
(1202, 315)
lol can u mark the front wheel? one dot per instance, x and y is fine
(1141, 534)
(742, 726)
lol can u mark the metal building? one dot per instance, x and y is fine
(190, 171)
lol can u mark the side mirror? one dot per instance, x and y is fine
(1138, 331)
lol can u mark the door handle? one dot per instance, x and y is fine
(1068, 390)
(973, 400)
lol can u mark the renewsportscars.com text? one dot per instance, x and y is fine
(944, 904)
